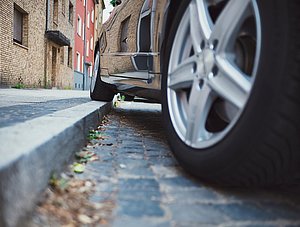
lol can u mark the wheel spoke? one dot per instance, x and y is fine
(229, 22)
(230, 83)
(200, 103)
(200, 23)
(183, 75)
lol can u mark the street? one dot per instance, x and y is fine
(137, 182)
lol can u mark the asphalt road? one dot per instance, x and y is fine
(20, 105)
(147, 187)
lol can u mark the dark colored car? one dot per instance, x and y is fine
(227, 75)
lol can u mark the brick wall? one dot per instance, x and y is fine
(32, 61)
(6, 40)
(63, 77)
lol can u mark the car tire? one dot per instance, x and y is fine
(99, 90)
(214, 133)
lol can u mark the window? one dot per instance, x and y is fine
(87, 48)
(71, 12)
(123, 37)
(92, 43)
(55, 11)
(70, 57)
(96, 24)
(92, 16)
(79, 25)
(62, 55)
(20, 26)
(88, 19)
(78, 61)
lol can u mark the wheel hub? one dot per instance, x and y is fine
(205, 65)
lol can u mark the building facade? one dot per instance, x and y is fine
(84, 42)
(98, 18)
(37, 43)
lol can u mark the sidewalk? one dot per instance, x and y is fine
(39, 132)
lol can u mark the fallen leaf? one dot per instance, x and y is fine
(94, 158)
(84, 219)
(78, 168)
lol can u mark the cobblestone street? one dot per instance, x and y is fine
(142, 185)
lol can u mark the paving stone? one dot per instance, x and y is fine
(107, 187)
(246, 211)
(190, 196)
(132, 155)
(178, 182)
(139, 194)
(139, 174)
(196, 213)
(126, 151)
(139, 208)
(136, 184)
(139, 222)
(132, 163)
(165, 161)
(136, 172)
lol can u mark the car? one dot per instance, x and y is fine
(226, 73)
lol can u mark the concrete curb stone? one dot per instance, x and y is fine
(32, 150)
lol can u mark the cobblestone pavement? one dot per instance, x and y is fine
(148, 188)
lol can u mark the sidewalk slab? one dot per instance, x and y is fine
(32, 150)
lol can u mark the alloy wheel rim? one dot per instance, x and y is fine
(212, 68)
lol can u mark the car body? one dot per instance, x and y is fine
(226, 73)
(130, 43)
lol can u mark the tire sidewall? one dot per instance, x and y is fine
(248, 132)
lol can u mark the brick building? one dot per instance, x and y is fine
(98, 18)
(37, 42)
(84, 41)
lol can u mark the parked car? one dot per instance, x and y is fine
(226, 73)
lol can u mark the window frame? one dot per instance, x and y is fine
(92, 15)
(71, 12)
(79, 25)
(18, 29)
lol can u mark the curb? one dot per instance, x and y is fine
(32, 150)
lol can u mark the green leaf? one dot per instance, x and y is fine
(78, 168)
(53, 179)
